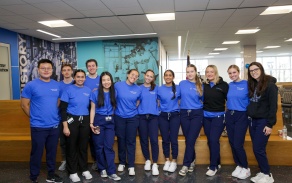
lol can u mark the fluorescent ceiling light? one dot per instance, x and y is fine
(56, 23)
(179, 46)
(247, 31)
(259, 51)
(289, 39)
(284, 54)
(220, 49)
(268, 47)
(209, 57)
(277, 10)
(230, 42)
(214, 53)
(48, 33)
(160, 16)
(90, 37)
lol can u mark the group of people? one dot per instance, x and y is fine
(93, 108)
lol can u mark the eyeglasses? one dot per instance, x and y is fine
(255, 70)
(46, 69)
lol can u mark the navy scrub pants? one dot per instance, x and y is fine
(77, 144)
(148, 128)
(169, 123)
(191, 123)
(126, 131)
(236, 126)
(259, 143)
(62, 142)
(40, 138)
(213, 128)
(103, 143)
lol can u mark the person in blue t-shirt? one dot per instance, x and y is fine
(169, 120)
(127, 119)
(191, 115)
(92, 82)
(39, 101)
(215, 95)
(237, 121)
(75, 116)
(103, 103)
(148, 126)
(67, 72)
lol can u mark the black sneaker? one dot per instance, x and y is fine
(55, 178)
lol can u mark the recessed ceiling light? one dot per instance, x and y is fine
(247, 31)
(110, 36)
(259, 51)
(268, 47)
(56, 23)
(289, 39)
(48, 33)
(214, 53)
(284, 54)
(230, 42)
(160, 16)
(220, 49)
(241, 52)
(277, 10)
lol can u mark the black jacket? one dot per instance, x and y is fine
(215, 97)
(265, 106)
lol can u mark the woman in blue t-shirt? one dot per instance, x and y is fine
(75, 117)
(127, 119)
(148, 126)
(169, 120)
(103, 103)
(191, 115)
(237, 121)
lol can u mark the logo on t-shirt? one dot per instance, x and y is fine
(239, 88)
(54, 89)
(152, 92)
(86, 94)
(133, 92)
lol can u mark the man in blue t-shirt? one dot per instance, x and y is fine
(39, 101)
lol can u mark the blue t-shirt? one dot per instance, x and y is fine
(43, 102)
(148, 101)
(63, 86)
(92, 83)
(237, 96)
(77, 99)
(107, 109)
(190, 97)
(164, 96)
(127, 96)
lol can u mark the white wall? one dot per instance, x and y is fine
(222, 66)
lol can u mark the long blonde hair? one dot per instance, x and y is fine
(216, 79)
(198, 80)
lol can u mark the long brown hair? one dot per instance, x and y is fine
(254, 85)
(153, 81)
(198, 80)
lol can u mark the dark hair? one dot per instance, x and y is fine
(153, 81)
(129, 71)
(66, 65)
(42, 61)
(254, 85)
(100, 97)
(173, 84)
(198, 81)
(91, 60)
(75, 72)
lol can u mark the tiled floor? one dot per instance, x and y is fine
(18, 172)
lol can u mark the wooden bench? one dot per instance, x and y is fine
(15, 142)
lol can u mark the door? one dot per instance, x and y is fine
(5, 72)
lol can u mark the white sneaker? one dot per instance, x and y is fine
(147, 165)
(74, 177)
(192, 166)
(219, 166)
(87, 175)
(244, 173)
(166, 166)
(211, 172)
(131, 171)
(103, 174)
(62, 167)
(121, 168)
(155, 170)
(257, 177)
(172, 167)
(266, 179)
(114, 177)
(184, 170)
(236, 172)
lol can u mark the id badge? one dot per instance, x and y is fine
(108, 118)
